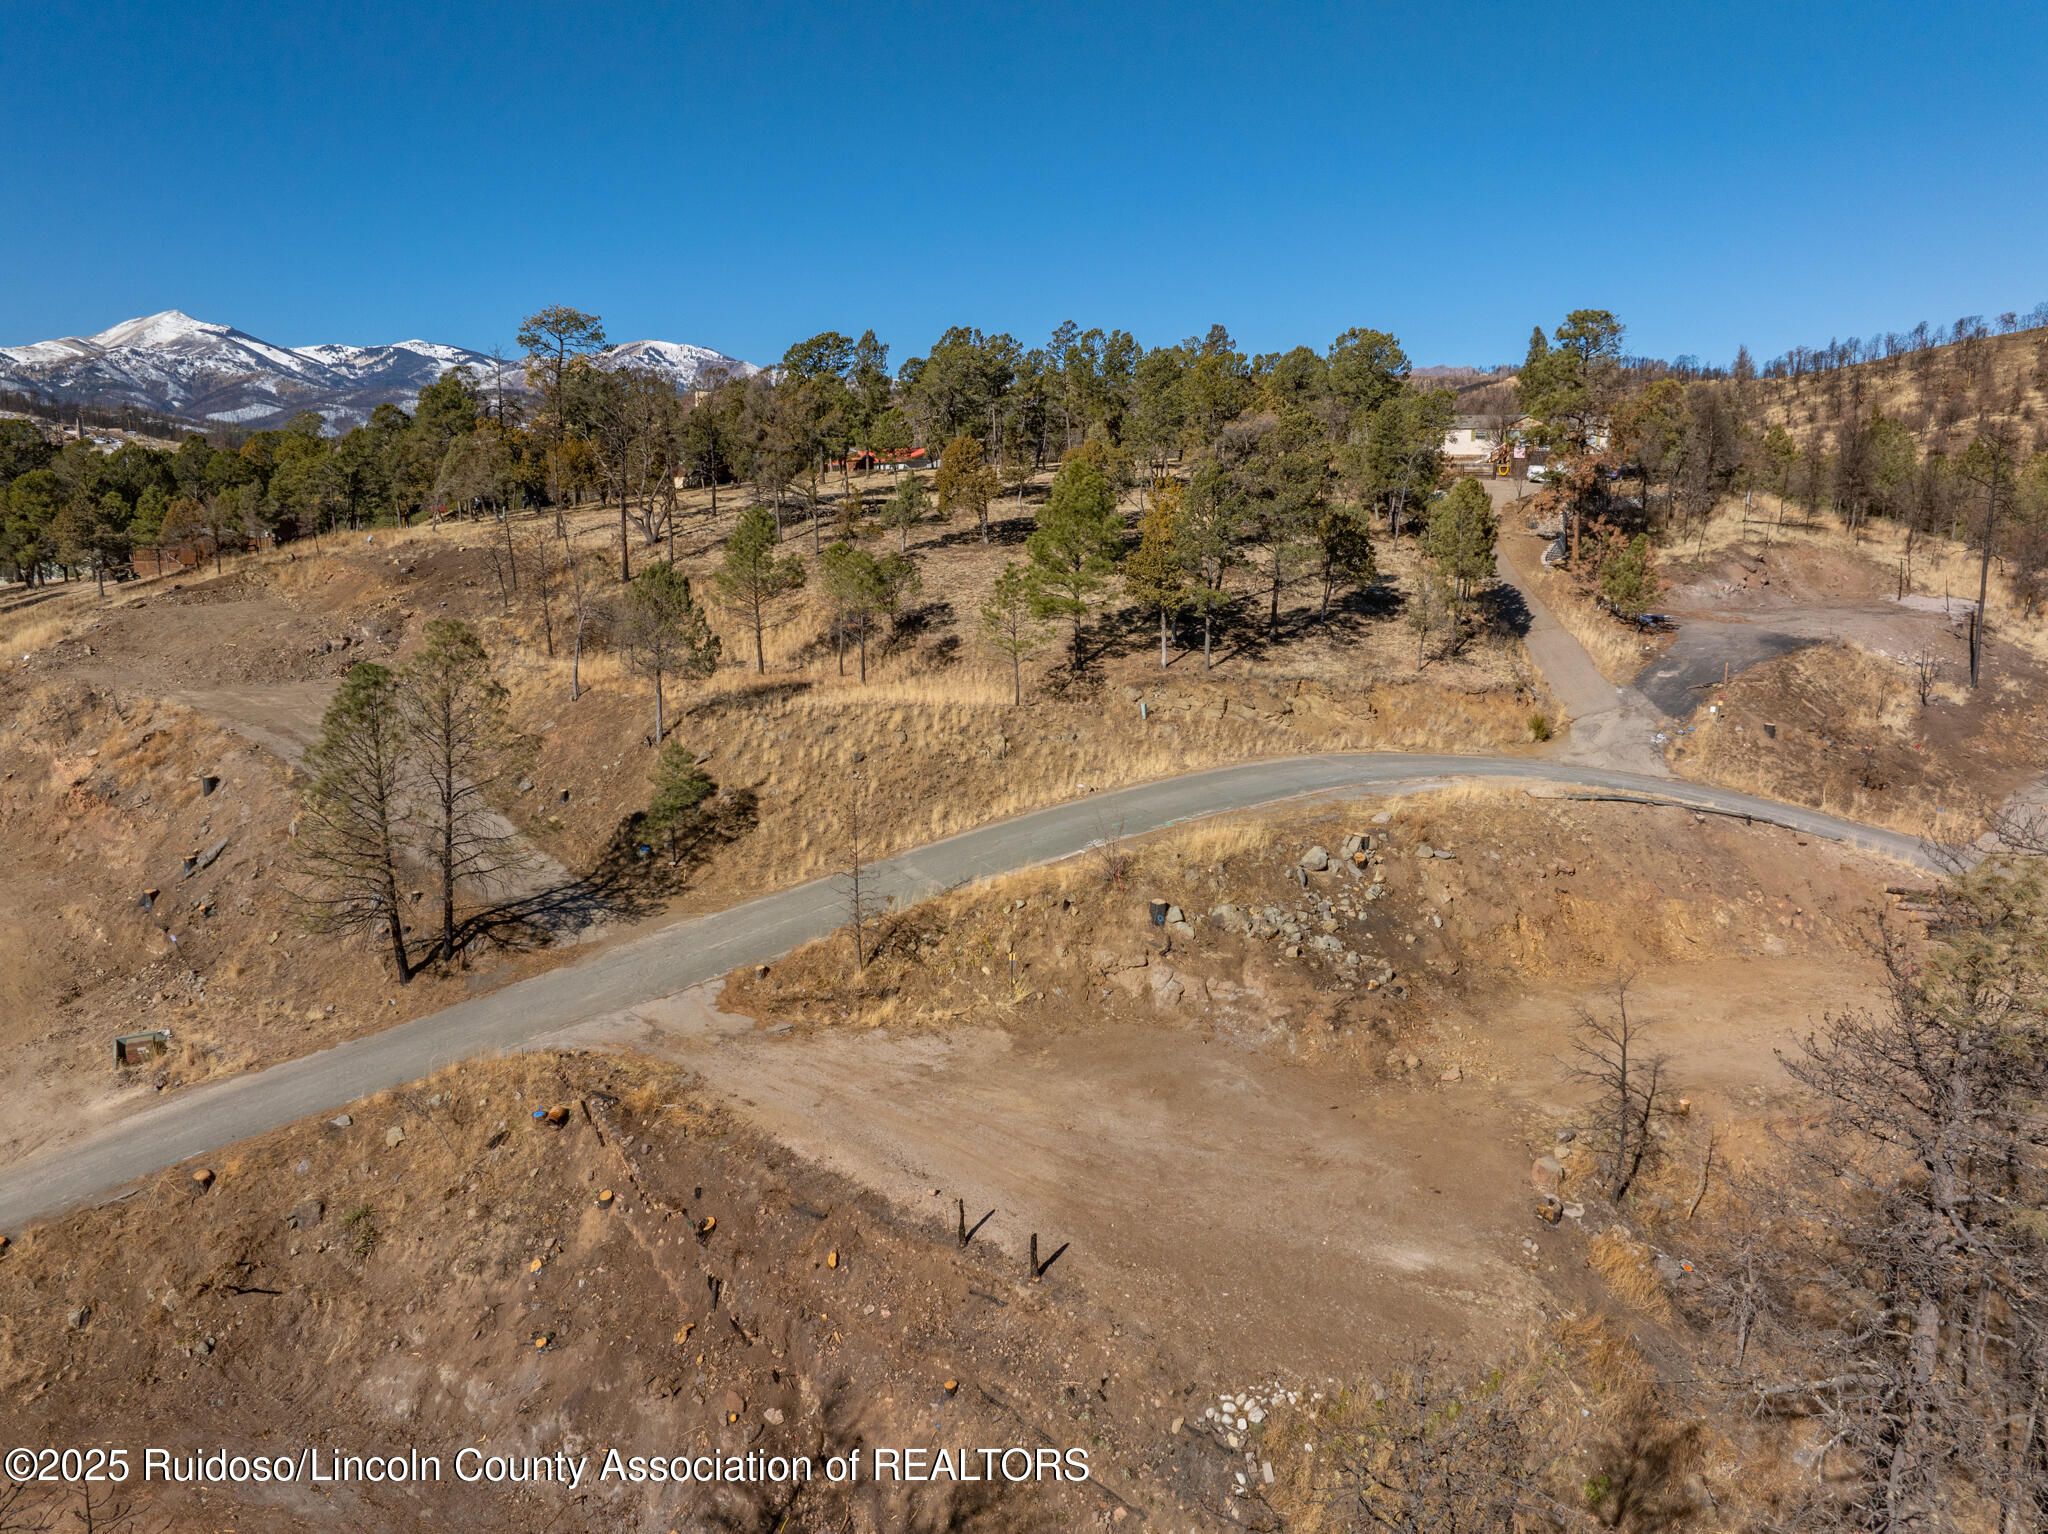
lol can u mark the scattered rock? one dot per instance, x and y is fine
(308, 1214)
(1425, 851)
(1382, 817)
(1316, 859)
(77, 1319)
(772, 1416)
(1451, 1073)
(1174, 916)
(1546, 1174)
(1566, 1136)
(342, 1122)
(394, 1135)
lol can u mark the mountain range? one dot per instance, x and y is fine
(196, 370)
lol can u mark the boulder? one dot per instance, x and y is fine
(1546, 1174)
(1168, 989)
(1316, 859)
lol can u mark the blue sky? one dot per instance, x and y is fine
(744, 175)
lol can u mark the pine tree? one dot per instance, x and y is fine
(1629, 579)
(906, 508)
(1153, 575)
(459, 731)
(1074, 551)
(355, 818)
(863, 589)
(1211, 526)
(752, 577)
(666, 633)
(1344, 552)
(1460, 538)
(1010, 625)
(680, 789)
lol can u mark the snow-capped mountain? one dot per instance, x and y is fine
(689, 367)
(180, 366)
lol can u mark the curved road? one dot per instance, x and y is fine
(687, 953)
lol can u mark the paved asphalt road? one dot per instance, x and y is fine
(1705, 653)
(206, 1118)
(1610, 726)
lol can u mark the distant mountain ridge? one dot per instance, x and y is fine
(198, 370)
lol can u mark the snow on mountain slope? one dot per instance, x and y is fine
(688, 366)
(173, 363)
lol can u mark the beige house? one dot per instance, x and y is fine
(1473, 439)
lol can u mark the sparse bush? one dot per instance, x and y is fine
(361, 1229)
(1539, 726)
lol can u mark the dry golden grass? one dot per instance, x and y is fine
(1217, 841)
(1624, 1265)
(34, 631)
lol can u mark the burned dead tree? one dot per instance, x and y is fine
(1919, 1275)
(1612, 1055)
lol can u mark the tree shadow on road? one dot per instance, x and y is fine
(634, 877)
